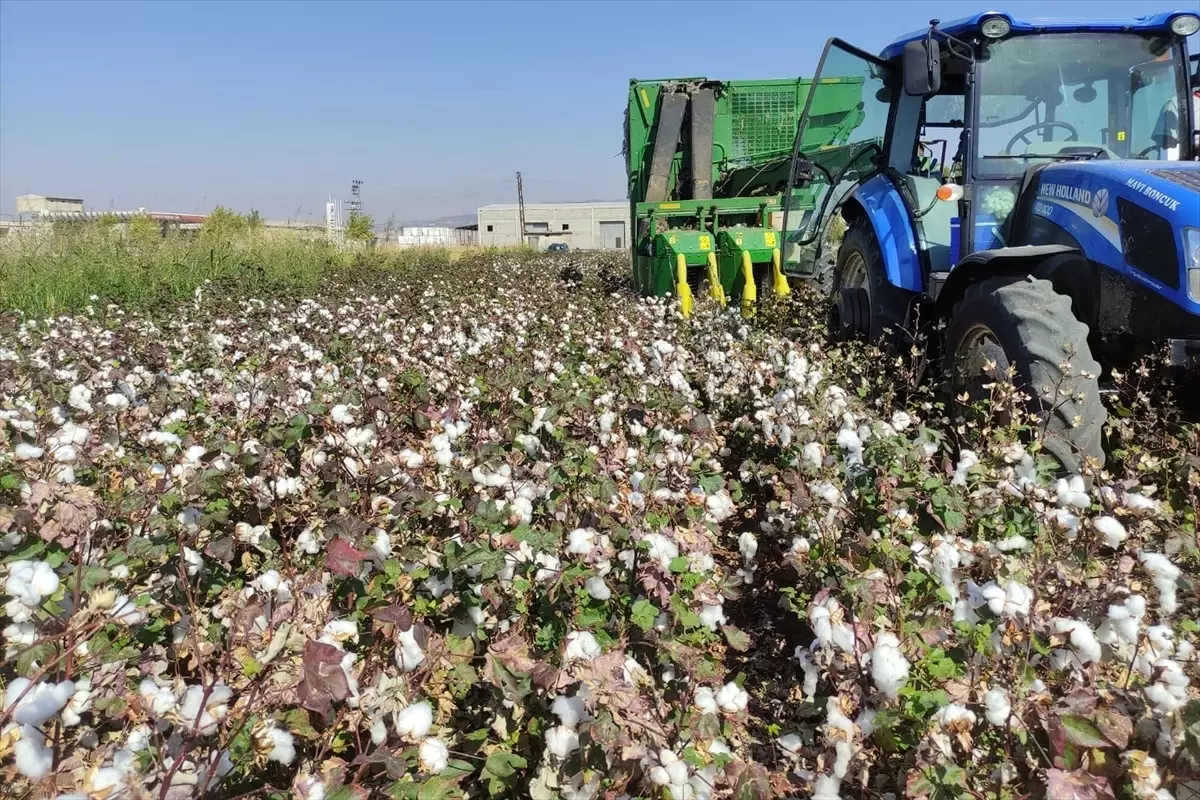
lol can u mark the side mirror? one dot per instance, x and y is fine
(922, 68)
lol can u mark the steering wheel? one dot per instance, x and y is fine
(1024, 132)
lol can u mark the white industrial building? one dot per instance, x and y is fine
(581, 226)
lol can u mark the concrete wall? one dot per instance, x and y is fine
(36, 204)
(578, 225)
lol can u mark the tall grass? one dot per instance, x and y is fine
(64, 269)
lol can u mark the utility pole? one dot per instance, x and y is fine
(521, 208)
(355, 201)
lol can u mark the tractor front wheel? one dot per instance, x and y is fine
(865, 304)
(1023, 323)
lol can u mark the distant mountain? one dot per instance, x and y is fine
(453, 221)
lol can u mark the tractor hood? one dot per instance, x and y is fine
(1169, 188)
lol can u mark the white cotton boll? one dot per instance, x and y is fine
(1082, 639)
(581, 541)
(307, 542)
(341, 415)
(30, 582)
(415, 720)
(561, 741)
(705, 700)
(409, 654)
(661, 549)
(341, 630)
(889, 667)
(901, 421)
(203, 711)
(117, 401)
(945, 560)
(1012, 600)
(378, 732)
(80, 703)
(1012, 543)
(269, 581)
(66, 454)
(126, 612)
(434, 755)
(193, 560)
(748, 545)
(1169, 693)
(1165, 576)
(1112, 531)
(955, 715)
(712, 616)
(1139, 504)
(381, 546)
(720, 505)
(597, 588)
(33, 758)
(1065, 521)
(28, 452)
(581, 645)
(814, 454)
(811, 673)
(40, 703)
(283, 746)
(995, 700)
(1072, 493)
(80, 398)
(732, 698)
(827, 492)
(966, 460)
(158, 699)
(569, 710)
(548, 569)
(827, 787)
(1124, 619)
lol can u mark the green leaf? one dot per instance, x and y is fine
(679, 564)
(456, 768)
(737, 638)
(643, 614)
(953, 520)
(28, 551)
(504, 765)
(1082, 733)
(438, 788)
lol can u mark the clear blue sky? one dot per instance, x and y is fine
(181, 106)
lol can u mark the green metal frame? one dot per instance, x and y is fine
(676, 239)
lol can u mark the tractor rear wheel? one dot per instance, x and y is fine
(865, 304)
(1024, 323)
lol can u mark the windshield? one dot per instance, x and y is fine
(1083, 95)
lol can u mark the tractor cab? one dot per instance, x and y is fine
(993, 154)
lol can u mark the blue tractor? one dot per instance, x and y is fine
(1031, 186)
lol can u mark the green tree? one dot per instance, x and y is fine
(223, 223)
(253, 220)
(360, 227)
(144, 229)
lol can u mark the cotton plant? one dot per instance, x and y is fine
(314, 458)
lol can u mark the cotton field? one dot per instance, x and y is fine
(503, 529)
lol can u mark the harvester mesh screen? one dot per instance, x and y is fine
(764, 125)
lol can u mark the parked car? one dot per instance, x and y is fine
(558, 247)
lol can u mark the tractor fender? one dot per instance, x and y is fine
(880, 202)
(1062, 264)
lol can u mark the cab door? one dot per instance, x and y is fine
(841, 135)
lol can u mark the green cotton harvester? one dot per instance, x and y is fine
(707, 163)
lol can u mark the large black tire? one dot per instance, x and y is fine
(860, 266)
(1023, 322)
